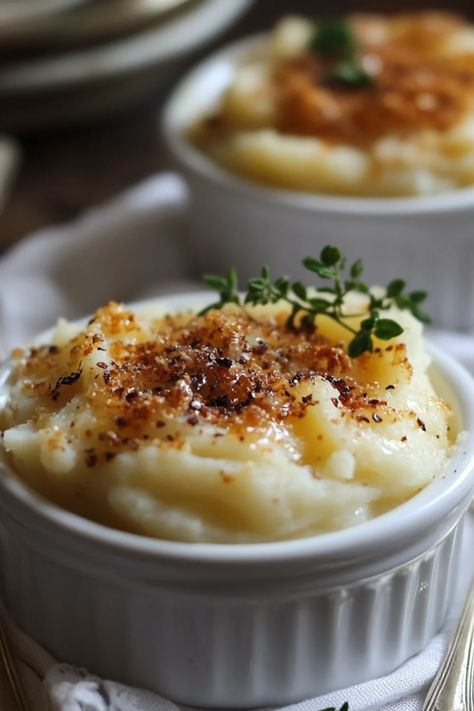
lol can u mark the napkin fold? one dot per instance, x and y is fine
(127, 250)
(133, 248)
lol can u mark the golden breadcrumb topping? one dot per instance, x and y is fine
(416, 83)
(224, 368)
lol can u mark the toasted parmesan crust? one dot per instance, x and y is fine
(223, 427)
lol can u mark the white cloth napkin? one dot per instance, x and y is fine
(127, 250)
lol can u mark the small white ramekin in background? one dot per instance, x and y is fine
(429, 241)
(240, 625)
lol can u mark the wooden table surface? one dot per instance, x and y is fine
(67, 170)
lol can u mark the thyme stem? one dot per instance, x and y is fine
(329, 301)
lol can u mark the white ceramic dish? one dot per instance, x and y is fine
(93, 22)
(157, 45)
(68, 87)
(240, 625)
(18, 12)
(427, 240)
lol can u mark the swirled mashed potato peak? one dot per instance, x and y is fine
(409, 131)
(226, 427)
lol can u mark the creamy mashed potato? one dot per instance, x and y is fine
(282, 122)
(227, 427)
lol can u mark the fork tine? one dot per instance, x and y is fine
(453, 686)
(6, 655)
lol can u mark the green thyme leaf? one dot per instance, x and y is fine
(418, 296)
(227, 288)
(317, 266)
(335, 42)
(306, 307)
(325, 272)
(370, 322)
(215, 282)
(330, 256)
(319, 304)
(361, 288)
(395, 288)
(361, 343)
(334, 37)
(357, 269)
(282, 285)
(326, 290)
(385, 329)
(311, 263)
(300, 290)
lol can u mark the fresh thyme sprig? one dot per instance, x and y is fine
(335, 40)
(306, 305)
(226, 286)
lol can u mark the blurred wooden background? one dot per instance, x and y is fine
(65, 171)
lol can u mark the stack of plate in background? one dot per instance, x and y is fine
(64, 60)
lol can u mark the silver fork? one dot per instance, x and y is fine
(14, 690)
(453, 685)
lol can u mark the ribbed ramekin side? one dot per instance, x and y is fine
(210, 650)
(278, 234)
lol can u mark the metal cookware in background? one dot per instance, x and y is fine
(92, 56)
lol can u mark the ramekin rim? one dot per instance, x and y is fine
(453, 491)
(199, 164)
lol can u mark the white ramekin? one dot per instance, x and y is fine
(240, 625)
(429, 241)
